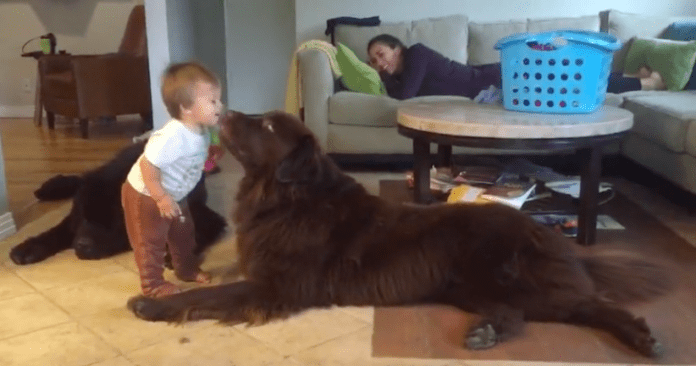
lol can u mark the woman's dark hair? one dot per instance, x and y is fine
(386, 39)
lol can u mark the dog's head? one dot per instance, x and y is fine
(97, 220)
(276, 143)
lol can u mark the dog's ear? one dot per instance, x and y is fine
(302, 164)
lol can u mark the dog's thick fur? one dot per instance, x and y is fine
(311, 236)
(95, 226)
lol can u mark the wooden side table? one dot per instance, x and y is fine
(38, 103)
(465, 123)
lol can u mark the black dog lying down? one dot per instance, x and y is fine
(95, 226)
(311, 236)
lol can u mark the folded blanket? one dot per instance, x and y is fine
(293, 95)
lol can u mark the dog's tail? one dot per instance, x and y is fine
(624, 276)
(59, 187)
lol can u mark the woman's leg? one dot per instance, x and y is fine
(619, 83)
(645, 79)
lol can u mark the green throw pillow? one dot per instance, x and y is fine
(357, 75)
(674, 60)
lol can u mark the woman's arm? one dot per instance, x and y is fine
(416, 61)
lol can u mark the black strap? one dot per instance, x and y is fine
(333, 22)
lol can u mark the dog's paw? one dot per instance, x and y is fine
(657, 350)
(481, 338)
(649, 347)
(149, 309)
(644, 341)
(26, 253)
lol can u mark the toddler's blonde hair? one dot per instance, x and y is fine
(178, 84)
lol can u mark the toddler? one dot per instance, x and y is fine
(154, 194)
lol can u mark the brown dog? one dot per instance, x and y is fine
(311, 236)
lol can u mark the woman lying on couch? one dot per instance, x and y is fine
(419, 70)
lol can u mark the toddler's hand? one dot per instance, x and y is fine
(168, 208)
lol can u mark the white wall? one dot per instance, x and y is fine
(158, 55)
(260, 43)
(81, 27)
(183, 30)
(180, 30)
(312, 14)
(209, 35)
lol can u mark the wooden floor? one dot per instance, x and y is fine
(33, 154)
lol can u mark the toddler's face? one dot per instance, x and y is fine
(206, 106)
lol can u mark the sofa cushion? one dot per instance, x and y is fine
(677, 168)
(626, 26)
(483, 36)
(684, 30)
(614, 100)
(357, 75)
(589, 22)
(358, 109)
(663, 117)
(691, 138)
(448, 35)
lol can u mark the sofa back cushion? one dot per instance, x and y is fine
(625, 26)
(356, 37)
(447, 35)
(587, 22)
(483, 36)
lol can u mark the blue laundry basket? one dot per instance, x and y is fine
(563, 71)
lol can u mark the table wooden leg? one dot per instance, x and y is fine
(83, 127)
(444, 155)
(421, 170)
(589, 195)
(38, 103)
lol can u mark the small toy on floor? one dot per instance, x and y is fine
(215, 152)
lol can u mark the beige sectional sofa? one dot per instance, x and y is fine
(663, 138)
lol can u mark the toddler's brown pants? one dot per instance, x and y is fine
(150, 234)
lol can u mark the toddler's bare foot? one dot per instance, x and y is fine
(199, 277)
(165, 289)
(203, 277)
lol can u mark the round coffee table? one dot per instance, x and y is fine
(470, 124)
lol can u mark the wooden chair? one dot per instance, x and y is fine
(94, 86)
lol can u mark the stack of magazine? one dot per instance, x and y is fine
(547, 196)
(508, 189)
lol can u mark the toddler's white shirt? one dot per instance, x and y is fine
(179, 153)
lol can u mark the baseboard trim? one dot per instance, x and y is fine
(7, 225)
(17, 111)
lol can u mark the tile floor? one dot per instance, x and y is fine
(69, 312)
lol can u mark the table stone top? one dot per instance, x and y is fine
(470, 119)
